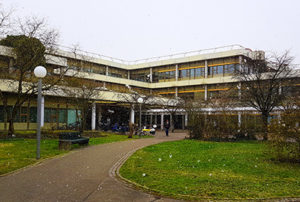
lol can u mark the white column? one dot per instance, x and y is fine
(162, 121)
(280, 89)
(186, 120)
(239, 90)
(128, 74)
(93, 116)
(206, 69)
(155, 119)
(176, 92)
(151, 78)
(132, 115)
(99, 115)
(176, 73)
(240, 61)
(205, 92)
(106, 71)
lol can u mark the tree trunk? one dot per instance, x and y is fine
(131, 130)
(11, 128)
(265, 116)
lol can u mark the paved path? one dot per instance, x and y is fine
(84, 175)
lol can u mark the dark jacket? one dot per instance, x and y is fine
(167, 125)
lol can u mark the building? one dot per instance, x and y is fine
(202, 74)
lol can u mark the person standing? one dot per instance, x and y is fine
(167, 126)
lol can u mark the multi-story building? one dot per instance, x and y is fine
(200, 74)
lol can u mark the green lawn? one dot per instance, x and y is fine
(18, 153)
(192, 169)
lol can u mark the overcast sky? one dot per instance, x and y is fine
(136, 29)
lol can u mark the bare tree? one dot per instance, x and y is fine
(28, 52)
(262, 83)
(172, 106)
(131, 96)
(5, 20)
(82, 92)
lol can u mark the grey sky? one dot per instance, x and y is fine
(135, 29)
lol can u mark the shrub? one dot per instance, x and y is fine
(284, 138)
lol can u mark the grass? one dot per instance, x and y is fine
(192, 169)
(18, 153)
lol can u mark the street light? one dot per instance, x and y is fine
(140, 101)
(40, 72)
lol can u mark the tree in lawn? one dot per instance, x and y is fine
(83, 93)
(262, 83)
(27, 51)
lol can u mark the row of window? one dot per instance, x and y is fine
(219, 70)
(51, 115)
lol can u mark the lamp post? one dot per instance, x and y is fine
(140, 101)
(40, 72)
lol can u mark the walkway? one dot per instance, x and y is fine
(83, 175)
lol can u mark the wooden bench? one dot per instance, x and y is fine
(66, 139)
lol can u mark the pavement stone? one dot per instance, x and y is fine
(87, 174)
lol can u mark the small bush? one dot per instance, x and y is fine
(284, 138)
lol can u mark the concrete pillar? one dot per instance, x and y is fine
(151, 78)
(132, 115)
(128, 74)
(280, 89)
(176, 73)
(239, 90)
(99, 115)
(104, 84)
(162, 121)
(240, 62)
(93, 124)
(186, 120)
(155, 119)
(176, 92)
(10, 65)
(106, 71)
(206, 69)
(205, 92)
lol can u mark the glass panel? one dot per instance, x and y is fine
(62, 116)
(33, 115)
(53, 115)
(47, 115)
(1, 114)
(192, 72)
(23, 114)
(71, 116)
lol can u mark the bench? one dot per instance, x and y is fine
(66, 139)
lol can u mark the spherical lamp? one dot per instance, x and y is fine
(40, 72)
(140, 100)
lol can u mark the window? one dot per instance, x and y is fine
(1, 114)
(62, 113)
(23, 114)
(50, 115)
(220, 69)
(33, 114)
(229, 69)
(192, 73)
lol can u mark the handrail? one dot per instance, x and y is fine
(158, 58)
